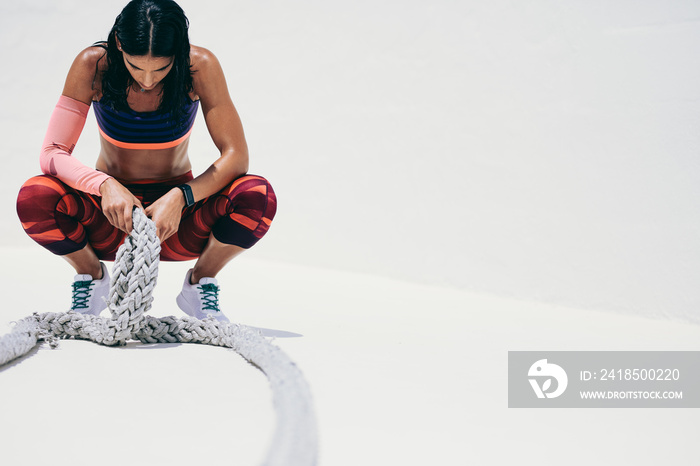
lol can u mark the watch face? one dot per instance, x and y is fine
(187, 192)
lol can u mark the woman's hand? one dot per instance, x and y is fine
(118, 204)
(166, 213)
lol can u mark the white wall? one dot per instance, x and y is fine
(544, 150)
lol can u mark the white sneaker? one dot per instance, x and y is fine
(89, 295)
(200, 300)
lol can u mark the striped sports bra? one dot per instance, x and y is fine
(143, 130)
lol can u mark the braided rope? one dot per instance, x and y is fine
(134, 277)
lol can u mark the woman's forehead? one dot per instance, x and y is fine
(148, 62)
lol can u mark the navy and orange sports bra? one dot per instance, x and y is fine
(143, 130)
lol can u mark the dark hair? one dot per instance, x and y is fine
(149, 27)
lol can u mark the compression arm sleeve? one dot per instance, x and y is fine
(66, 124)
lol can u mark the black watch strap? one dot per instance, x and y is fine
(187, 192)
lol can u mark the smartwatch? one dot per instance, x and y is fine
(187, 192)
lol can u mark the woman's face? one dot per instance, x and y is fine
(147, 70)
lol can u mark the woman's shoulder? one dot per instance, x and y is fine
(92, 55)
(83, 80)
(207, 74)
(201, 59)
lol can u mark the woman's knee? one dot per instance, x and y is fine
(253, 207)
(39, 195)
(253, 194)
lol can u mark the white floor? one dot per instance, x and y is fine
(400, 373)
(561, 154)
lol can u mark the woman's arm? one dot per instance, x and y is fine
(82, 76)
(64, 130)
(226, 131)
(66, 125)
(223, 123)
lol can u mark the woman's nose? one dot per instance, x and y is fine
(148, 80)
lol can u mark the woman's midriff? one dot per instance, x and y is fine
(140, 164)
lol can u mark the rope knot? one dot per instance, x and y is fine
(134, 277)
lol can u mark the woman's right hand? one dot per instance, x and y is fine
(118, 204)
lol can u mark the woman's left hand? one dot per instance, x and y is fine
(166, 213)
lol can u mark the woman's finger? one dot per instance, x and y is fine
(122, 219)
(127, 218)
(110, 217)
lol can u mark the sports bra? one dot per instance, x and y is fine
(143, 130)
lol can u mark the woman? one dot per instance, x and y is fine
(145, 84)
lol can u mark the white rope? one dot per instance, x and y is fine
(134, 277)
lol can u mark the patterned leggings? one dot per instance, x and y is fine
(64, 220)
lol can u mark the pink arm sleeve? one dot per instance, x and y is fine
(65, 126)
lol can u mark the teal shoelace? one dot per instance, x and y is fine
(81, 294)
(210, 297)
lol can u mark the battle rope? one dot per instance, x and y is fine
(134, 277)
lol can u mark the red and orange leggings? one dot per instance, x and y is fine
(64, 220)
